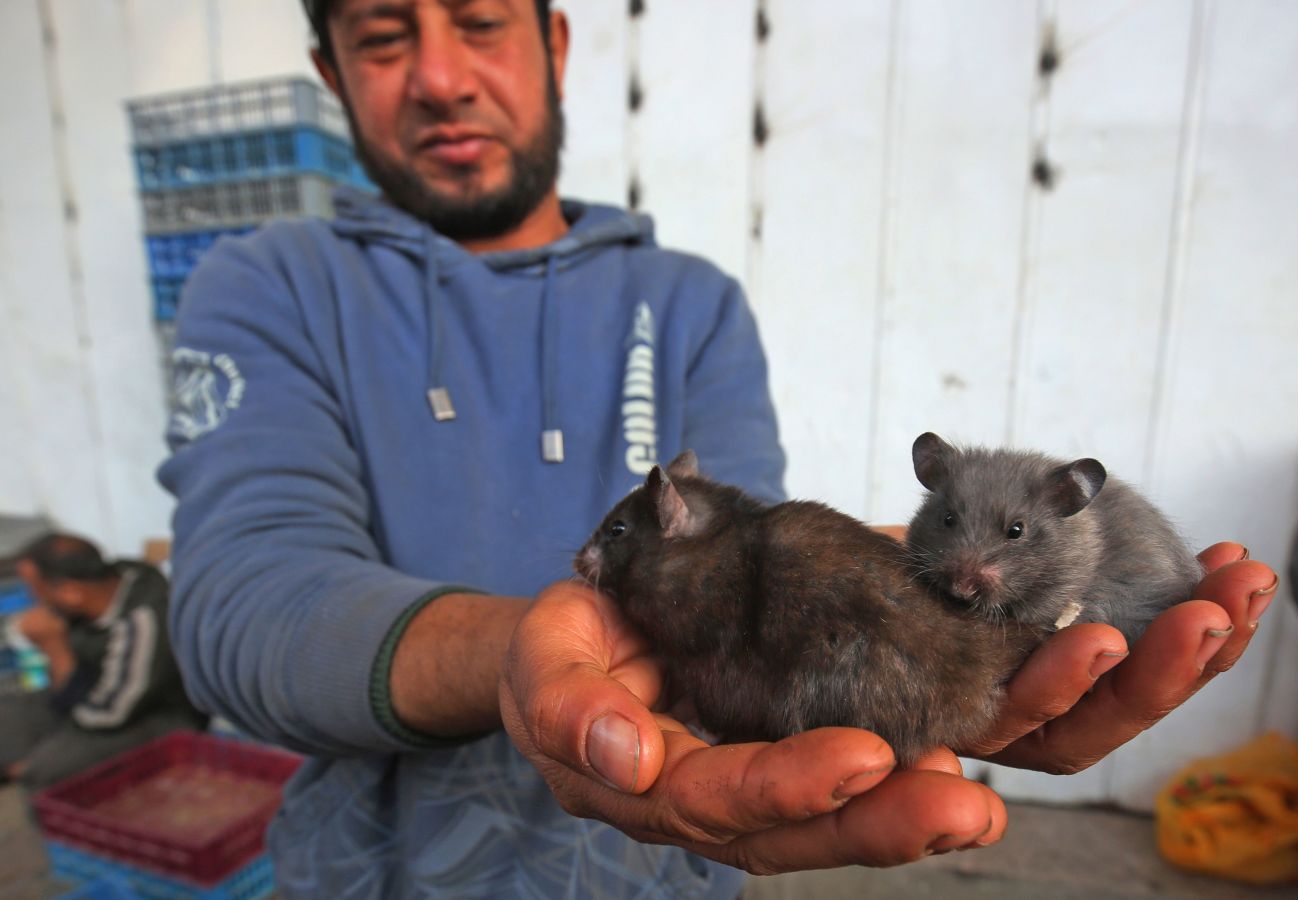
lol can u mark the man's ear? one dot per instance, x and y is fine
(328, 73)
(558, 47)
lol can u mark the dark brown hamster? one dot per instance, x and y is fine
(1021, 536)
(778, 619)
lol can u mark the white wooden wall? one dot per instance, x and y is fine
(907, 271)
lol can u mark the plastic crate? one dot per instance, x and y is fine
(166, 297)
(14, 599)
(101, 889)
(254, 154)
(236, 204)
(244, 106)
(106, 879)
(187, 805)
(175, 255)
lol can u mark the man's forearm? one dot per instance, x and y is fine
(447, 664)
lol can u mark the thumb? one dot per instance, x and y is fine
(576, 691)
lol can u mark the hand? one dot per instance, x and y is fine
(43, 627)
(1064, 713)
(576, 697)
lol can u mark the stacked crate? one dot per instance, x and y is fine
(222, 160)
(183, 816)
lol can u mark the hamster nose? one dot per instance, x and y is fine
(587, 564)
(971, 581)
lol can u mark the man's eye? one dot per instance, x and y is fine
(380, 40)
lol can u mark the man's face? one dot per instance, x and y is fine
(453, 106)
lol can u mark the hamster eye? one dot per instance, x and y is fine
(1015, 531)
(615, 529)
(949, 520)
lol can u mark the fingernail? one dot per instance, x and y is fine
(613, 750)
(855, 785)
(1104, 662)
(1244, 557)
(945, 844)
(1213, 640)
(1258, 601)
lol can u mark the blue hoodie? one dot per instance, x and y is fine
(365, 416)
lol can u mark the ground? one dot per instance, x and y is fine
(1047, 854)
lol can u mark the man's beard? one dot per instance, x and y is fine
(474, 215)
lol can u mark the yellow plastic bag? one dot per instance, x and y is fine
(1235, 815)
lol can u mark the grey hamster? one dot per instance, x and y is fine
(1021, 536)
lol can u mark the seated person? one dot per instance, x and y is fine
(114, 683)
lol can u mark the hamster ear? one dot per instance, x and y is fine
(1075, 485)
(670, 511)
(929, 453)
(684, 465)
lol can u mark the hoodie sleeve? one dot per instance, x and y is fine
(280, 605)
(729, 418)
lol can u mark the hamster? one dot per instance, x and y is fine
(1023, 537)
(775, 619)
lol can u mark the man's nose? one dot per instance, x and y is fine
(443, 74)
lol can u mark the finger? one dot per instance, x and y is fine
(715, 793)
(939, 759)
(1218, 555)
(563, 683)
(1244, 589)
(1052, 680)
(910, 815)
(896, 532)
(1161, 672)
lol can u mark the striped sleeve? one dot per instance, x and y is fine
(127, 669)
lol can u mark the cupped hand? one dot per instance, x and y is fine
(1082, 694)
(577, 696)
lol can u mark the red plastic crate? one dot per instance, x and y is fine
(186, 804)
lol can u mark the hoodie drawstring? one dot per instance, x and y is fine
(439, 398)
(551, 433)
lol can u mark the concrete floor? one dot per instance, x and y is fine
(1047, 854)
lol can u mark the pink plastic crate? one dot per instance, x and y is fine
(186, 804)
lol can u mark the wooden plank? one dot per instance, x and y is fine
(1226, 443)
(260, 39)
(109, 269)
(595, 102)
(945, 338)
(814, 277)
(1088, 368)
(173, 49)
(54, 424)
(694, 129)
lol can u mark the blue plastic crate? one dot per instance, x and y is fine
(252, 882)
(254, 154)
(166, 297)
(103, 889)
(14, 599)
(175, 255)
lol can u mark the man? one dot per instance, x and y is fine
(113, 681)
(421, 410)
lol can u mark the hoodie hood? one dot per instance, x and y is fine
(367, 219)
